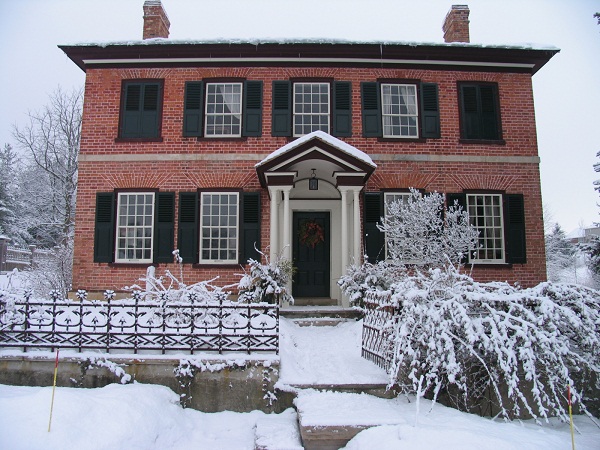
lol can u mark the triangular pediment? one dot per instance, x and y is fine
(321, 150)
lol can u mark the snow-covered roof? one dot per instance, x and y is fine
(321, 41)
(328, 139)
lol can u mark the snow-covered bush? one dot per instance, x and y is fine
(358, 280)
(421, 232)
(168, 288)
(266, 282)
(492, 342)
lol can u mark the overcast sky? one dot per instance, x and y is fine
(567, 89)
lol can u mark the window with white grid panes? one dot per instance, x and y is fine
(389, 197)
(223, 109)
(399, 110)
(135, 221)
(219, 227)
(485, 214)
(311, 108)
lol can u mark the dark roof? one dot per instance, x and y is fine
(168, 53)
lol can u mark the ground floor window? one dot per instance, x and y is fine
(135, 219)
(485, 213)
(219, 227)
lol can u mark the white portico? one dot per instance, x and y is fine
(314, 186)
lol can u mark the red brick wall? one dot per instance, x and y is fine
(100, 129)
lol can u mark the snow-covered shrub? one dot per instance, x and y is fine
(560, 253)
(266, 282)
(358, 280)
(521, 348)
(168, 288)
(421, 232)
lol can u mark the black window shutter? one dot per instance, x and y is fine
(282, 109)
(430, 111)
(150, 110)
(452, 198)
(187, 238)
(371, 109)
(461, 198)
(252, 112)
(250, 226)
(193, 108)
(514, 222)
(489, 112)
(164, 215)
(470, 112)
(104, 227)
(132, 111)
(374, 239)
(342, 108)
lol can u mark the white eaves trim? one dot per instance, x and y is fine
(119, 61)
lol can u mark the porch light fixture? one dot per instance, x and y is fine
(313, 182)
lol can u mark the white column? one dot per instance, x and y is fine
(356, 205)
(273, 245)
(287, 244)
(344, 193)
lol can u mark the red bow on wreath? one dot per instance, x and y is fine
(311, 233)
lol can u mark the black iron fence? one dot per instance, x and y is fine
(380, 318)
(139, 326)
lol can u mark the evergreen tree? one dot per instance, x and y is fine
(560, 253)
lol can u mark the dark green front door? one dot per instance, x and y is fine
(311, 254)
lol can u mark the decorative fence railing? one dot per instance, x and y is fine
(132, 326)
(19, 258)
(380, 318)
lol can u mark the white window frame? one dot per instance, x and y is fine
(223, 110)
(389, 197)
(391, 111)
(133, 222)
(487, 217)
(217, 226)
(324, 88)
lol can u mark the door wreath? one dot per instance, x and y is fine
(311, 233)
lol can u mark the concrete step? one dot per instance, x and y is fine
(278, 432)
(314, 312)
(315, 301)
(328, 420)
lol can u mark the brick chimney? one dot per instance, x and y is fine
(456, 24)
(156, 22)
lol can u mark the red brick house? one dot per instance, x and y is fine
(213, 147)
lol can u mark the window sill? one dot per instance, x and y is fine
(122, 140)
(491, 265)
(131, 264)
(215, 265)
(483, 141)
(221, 138)
(401, 139)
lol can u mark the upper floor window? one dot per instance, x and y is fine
(479, 111)
(141, 109)
(299, 108)
(223, 109)
(311, 108)
(400, 110)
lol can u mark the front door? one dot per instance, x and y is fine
(311, 254)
